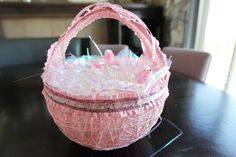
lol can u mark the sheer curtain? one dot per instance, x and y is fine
(216, 34)
(231, 81)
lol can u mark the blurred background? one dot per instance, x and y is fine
(203, 25)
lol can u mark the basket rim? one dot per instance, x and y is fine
(108, 105)
(145, 106)
(56, 91)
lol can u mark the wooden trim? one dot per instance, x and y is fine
(202, 18)
(1, 30)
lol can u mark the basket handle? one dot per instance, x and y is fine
(89, 14)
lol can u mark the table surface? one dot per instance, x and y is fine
(206, 115)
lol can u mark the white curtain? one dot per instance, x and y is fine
(216, 34)
(231, 81)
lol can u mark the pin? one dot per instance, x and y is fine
(95, 45)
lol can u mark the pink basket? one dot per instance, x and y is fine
(105, 124)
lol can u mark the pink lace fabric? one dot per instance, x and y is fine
(106, 122)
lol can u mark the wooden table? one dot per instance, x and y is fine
(206, 115)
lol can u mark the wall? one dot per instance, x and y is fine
(177, 20)
(49, 27)
(176, 13)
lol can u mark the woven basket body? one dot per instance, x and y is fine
(105, 124)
